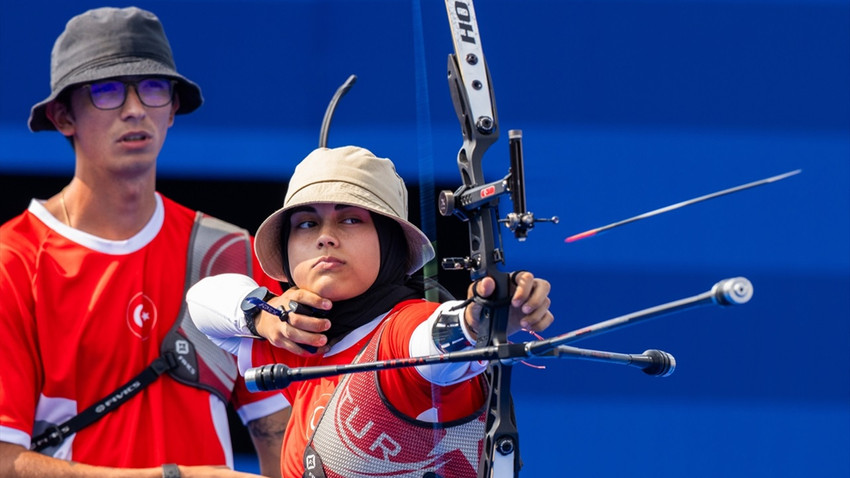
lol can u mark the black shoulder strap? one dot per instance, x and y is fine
(54, 435)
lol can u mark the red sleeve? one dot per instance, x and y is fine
(20, 371)
(405, 388)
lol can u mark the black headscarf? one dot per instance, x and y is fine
(390, 287)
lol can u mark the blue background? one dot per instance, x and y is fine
(626, 106)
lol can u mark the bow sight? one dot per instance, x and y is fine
(467, 201)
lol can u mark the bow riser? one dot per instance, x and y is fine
(477, 203)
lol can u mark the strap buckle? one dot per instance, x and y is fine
(165, 362)
(51, 436)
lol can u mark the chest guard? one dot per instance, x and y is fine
(215, 247)
(362, 435)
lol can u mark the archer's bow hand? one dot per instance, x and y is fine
(529, 303)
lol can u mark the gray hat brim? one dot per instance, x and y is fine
(188, 92)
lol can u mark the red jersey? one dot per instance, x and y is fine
(81, 316)
(404, 388)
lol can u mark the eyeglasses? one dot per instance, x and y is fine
(111, 94)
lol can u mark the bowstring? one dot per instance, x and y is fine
(425, 151)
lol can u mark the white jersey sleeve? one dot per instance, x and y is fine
(422, 343)
(214, 305)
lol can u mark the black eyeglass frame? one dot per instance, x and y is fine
(135, 85)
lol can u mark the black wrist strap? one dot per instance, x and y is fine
(249, 323)
(251, 311)
(56, 434)
(170, 470)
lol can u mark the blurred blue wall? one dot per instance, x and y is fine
(626, 106)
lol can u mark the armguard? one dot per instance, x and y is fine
(450, 332)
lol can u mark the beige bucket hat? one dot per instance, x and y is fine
(346, 175)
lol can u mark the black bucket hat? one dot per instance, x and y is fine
(110, 42)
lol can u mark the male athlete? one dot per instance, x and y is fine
(102, 372)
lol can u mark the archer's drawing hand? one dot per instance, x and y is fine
(529, 303)
(298, 328)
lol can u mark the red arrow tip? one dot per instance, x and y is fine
(583, 235)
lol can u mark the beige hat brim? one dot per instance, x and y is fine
(267, 241)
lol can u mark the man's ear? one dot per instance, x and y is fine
(61, 116)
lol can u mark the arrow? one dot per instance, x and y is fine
(645, 215)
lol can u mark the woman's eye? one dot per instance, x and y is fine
(352, 220)
(304, 224)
